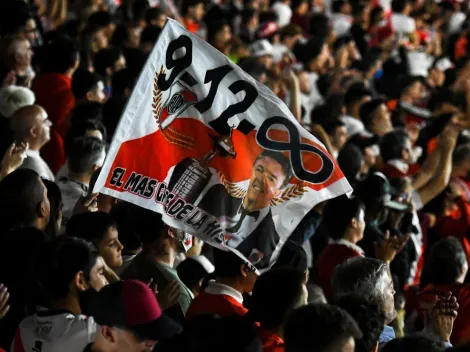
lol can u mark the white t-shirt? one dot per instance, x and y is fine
(341, 24)
(71, 191)
(283, 12)
(279, 50)
(54, 331)
(353, 126)
(402, 24)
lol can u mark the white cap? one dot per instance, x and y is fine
(205, 263)
(260, 48)
(443, 64)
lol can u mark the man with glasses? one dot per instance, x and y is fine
(161, 245)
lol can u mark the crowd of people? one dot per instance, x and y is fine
(383, 84)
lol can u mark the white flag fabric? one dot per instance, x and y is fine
(216, 152)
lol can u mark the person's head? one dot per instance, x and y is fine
(250, 18)
(122, 83)
(108, 61)
(193, 10)
(290, 35)
(341, 6)
(300, 7)
(16, 53)
(415, 343)
(126, 36)
(149, 38)
(447, 263)
(84, 128)
(461, 161)
(230, 267)
(344, 218)
(101, 230)
(155, 16)
(286, 287)
(87, 86)
(337, 132)
(314, 54)
(412, 89)
(13, 97)
(158, 239)
(355, 97)
(366, 277)
(105, 202)
(60, 55)
(93, 39)
(369, 316)
(193, 270)
(262, 51)
(320, 26)
(376, 117)
(31, 124)
(368, 145)
(271, 172)
(16, 17)
(254, 69)
(447, 101)
(396, 145)
(68, 266)
(351, 160)
(87, 110)
(85, 156)
(130, 318)
(219, 34)
(436, 73)
(104, 20)
(401, 6)
(55, 200)
(320, 328)
(23, 200)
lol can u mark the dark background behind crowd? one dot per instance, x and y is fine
(384, 84)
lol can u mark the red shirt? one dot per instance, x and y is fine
(332, 255)
(461, 331)
(393, 171)
(217, 299)
(271, 342)
(54, 93)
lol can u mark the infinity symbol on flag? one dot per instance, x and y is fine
(295, 148)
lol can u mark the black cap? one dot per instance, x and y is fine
(363, 140)
(376, 186)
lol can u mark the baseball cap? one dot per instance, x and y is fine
(260, 48)
(375, 186)
(267, 29)
(131, 305)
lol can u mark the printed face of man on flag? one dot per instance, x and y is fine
(270, 174)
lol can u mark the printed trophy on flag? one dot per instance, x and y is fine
(191, 175)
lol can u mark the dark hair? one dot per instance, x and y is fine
(331, 126)
(447, 96)
(367, 111)
(338, 214)
(369, 315)
(191, 272)
(253, 68)
(445, 262)
(399, 5)
(129, 236)
(247, 14)
(84, 153)
(461, 154)
(60, 260)
(120, 36)
(135, 60)
(318, 327)
(415, 343)
(290, 30)
(14, 15)
(355, 94)
(83, 81)
(122, 80)
(190, 3)
(153, 13)
(350, 159)
(392, 144)
(21, 193)
(88, 110)
(227, 264)
(59, 55)
(100, 18)
(90, 226)
(337, 5)
(281, 285)
(214, 27)
(292, 256)
(319, 25)
(281, 159)
(79, 129)
(106, 58)
(148, 224)
(359, 275)
(150, 34)
(55, 201)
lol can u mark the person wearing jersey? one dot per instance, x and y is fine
(67, 267)
(129, 318)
